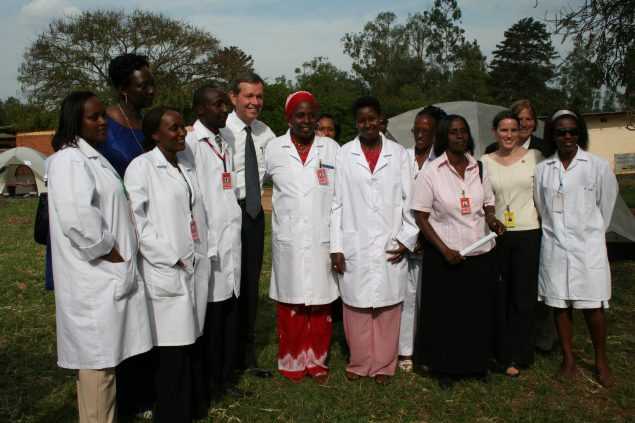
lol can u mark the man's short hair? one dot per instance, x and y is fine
(198, 98)
(249, 78)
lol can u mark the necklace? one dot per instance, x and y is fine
(134, 135)
(302, 148)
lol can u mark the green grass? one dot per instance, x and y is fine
(627, 189)
(33, 389)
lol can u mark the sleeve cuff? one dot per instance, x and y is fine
(100, 248)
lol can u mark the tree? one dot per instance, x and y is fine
(273, 110)
(335, 89)
(581, 79)
(522, 65)
(379, 53)
(74, 53)
(20, 117)
(606, 28)
(470, 80)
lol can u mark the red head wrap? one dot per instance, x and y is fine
(294, 100)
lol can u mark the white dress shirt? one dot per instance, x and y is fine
(235, 135)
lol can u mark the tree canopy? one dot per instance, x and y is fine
(522, 64)
(74, 53)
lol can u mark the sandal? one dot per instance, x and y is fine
(382, 379)
(351, 376)
(512, 371)
(406, 365)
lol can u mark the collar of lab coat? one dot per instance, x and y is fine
(201, 132)
(93, 154)
(580, 156)
(314, 154)
(387, 151)
(160, 161)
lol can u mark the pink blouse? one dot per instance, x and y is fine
(438, 190)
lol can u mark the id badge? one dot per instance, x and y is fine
(466, 208)
(194, 230)
(227, 180)
(558, 202)
(509, 218)
(322, 176)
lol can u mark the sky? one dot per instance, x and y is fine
(279, 35)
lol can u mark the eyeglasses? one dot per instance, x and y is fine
(561, 132)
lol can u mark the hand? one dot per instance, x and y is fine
(180, 264)
(397, 254)
(338, 263)
(113, 256)
(453, 256)
(418, 248)
(495, 225)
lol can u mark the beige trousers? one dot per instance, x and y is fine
(96, 391)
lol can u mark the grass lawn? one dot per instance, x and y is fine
(627, 189)
(33, 389)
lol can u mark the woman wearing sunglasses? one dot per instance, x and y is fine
(575, 193)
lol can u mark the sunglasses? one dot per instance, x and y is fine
(561, 132)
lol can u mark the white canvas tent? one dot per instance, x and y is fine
(479, 116)
(11, 159)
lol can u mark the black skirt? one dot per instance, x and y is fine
(454, 334)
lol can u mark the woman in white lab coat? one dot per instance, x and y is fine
(575, 194)
(301, 166)
(372, 228)
(101, 310)
(170, 219)
(423, 130)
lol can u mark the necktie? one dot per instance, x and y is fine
(252, 178)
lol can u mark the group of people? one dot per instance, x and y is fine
(157, 240)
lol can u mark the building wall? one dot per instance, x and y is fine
(40, 141)
(609, 136)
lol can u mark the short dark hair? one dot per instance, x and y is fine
(249, 78)
(198, 98)
(441, 140)
(337, 126)
(502, 115)
(366, 101)
(122, 67)
(152, 123)
(69, 127)
(549, 138)
(434, 112)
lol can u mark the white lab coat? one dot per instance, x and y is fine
(301, 271)
(101, 310)
(370, 211)
(160, 203)
(573, 258)
(413, 287)
(224, 216)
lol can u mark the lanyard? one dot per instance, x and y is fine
(218, 154)
(187, 184)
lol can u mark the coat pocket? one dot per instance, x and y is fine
(123, 277)
(164, 282)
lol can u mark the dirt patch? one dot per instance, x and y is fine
(266, 199)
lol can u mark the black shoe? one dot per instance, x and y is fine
(446, 383)
(235, 392)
